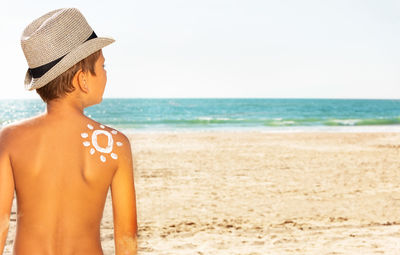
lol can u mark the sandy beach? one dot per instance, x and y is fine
(263, 193)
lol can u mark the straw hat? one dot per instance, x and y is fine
(55, 42)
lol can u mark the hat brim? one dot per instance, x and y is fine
(82, 51)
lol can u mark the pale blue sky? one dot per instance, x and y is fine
(229, 48)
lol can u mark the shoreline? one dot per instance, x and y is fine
(278, 130)
(258, 131)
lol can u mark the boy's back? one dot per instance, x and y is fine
(62, 163)
(61, 180)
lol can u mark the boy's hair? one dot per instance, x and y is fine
(60, 86)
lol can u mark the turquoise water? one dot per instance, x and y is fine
(205, 114)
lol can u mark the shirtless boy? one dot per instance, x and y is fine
(61, 163)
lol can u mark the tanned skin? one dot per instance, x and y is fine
(60, 186)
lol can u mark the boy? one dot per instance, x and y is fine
(61, 163)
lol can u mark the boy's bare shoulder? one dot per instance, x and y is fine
(15, 130)
(121, 140)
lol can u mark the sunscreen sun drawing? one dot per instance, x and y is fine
(96, 147)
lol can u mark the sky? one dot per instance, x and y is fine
(228, 48)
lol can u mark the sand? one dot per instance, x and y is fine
(263, 193)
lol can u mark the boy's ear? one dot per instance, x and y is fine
(80, 81)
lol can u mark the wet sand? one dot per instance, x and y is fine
(263, 193)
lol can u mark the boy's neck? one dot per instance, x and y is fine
(64, 107)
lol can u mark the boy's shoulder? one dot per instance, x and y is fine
(16, 129)
(92, 129)
(105, 139)
(15, 135)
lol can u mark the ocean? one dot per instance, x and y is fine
(270, 115)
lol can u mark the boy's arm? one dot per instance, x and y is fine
(6, 190)
(124, 203)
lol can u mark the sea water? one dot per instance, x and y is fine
(271, 115)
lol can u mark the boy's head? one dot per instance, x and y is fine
(56, 46)
(60, 86)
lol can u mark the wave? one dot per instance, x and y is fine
(363, 122)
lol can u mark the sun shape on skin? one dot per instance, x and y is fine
(96, 147)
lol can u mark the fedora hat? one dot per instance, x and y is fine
(55, 42)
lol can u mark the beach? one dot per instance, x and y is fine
(251, 192)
